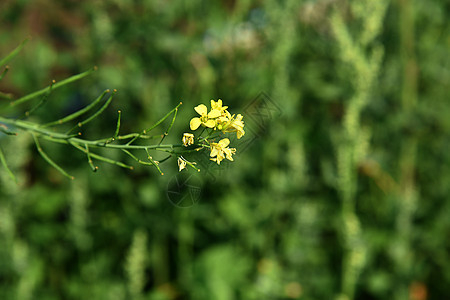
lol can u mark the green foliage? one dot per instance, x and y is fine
(343, 194)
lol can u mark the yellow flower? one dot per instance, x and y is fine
(235, 125)
(220, 151)
(218, 105)
(206, 119)
(188, 139)
(223, 120)
(181, 163)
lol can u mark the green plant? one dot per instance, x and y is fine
(362, 55)
(218, 120)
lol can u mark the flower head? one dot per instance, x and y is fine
(235, 125)
(182, 162)
(220, 151)
(188, 139)
(217, 120)
(218, 105)
(206, 119)
(223, 120)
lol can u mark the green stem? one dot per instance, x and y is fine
(55, 86)
(6, 131)
(5, 71)
(164, 159)
(156, 124)
(151, 163)
(165, 117)
(48, 159)
(43, 100)
(94, 168)
(170, 126)
(5, 165)
(118, 125)
(133, 135)
(98, 112)
(13, 53)
(201, 132)
(154, 162)
(64, 138)
(102, 158)
(78, 113)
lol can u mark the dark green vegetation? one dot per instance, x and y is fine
(339, 191)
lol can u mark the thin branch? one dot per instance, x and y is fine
(5, 71)
(55, 86)
(94, 168)
(5, 130)
(5, 165)
(156, 124)
(43, 100)
(170, 126)
(102, 158)
(13, 53)
(48, 159)
(141, 136)
(118, 125)
(154, 162)
(78, 113)
(116, 133)
(64, 138)
(164, 159)
(165, 117)
(151, 163)
(98, 112)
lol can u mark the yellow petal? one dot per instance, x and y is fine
(214, 113)
(224, 142)
(220, 157)
(223, 119)
(213, 152)
(240, 133)
(210, 123)
(181, 164)
(201, 109)
(216, 160)
(213, 104)
(195, 123)
(228, 153)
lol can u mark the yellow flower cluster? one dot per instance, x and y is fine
(218, 119)
(220, 150)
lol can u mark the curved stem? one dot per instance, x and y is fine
(64, 138)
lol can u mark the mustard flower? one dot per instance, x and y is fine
(220, 151)
(181, 163)
(235, 125)
(206, 119)
(188, 139)
(223, 120)
(218, 105)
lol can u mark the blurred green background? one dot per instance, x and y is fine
(340, 188)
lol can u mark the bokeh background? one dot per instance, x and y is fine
(340, 188)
